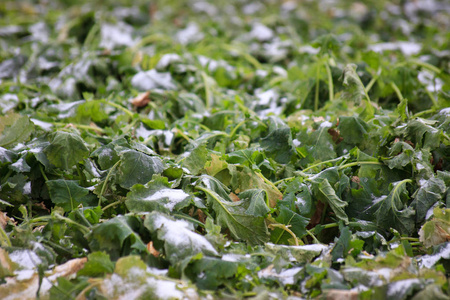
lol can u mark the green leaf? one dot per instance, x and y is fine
(342, 246)
(392, 212)
(106, 156)
(297, 224)
(97, 265)
(68, 194)
(14, 129)
(354, 88)
(210, 272)
(66, 149)
(318, 144)
(256, 200)
(126, 265)
(431, 291)
(278, 141)
(156, 195)
(195, 159)
(430, 192)
(137, 167)
(232, 215)
(246, 179)
(179, 239)
(117, 236)
(353, 129)
(7, 156)
(437, 230)
(328, 43)
(402, 154)
(325, 193)
(421, 132)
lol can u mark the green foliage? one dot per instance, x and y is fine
(14, 129)
(277, 150)
(66, 149)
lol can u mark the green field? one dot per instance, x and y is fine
(224, 149)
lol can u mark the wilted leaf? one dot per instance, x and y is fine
(141, 100)
(437, 230)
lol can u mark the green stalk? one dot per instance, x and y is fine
(285, 228)
(424, 112)
(432, 98)
(208, 92)
(320, 163)
(425, 65)
(316, 95)
(233, 132)
(4, 238)
(83, 228)
(316, 241)
(119, 107)
(330, 82)
(397, 91)
(371, 83)
(87, 127)
(189, 219)
(42, 172)
(106, 181)
(91, 36)
(360, 163)
(112, 204)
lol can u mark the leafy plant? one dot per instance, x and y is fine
(226, 149)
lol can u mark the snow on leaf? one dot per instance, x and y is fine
(156, 195)
(180, 241)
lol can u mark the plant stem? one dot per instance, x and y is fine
(70, 221)
(316, 95)
(360, 163)
(112, 204)
(128, 112)
(372, 82)
(189, 219)
(432, 98)
(106, 181)
(4, 238)
(42, 172)
(313, 236)
(208, 94)
(87, 127)
(397, 91)
(285, 228)
(330, 82)
(321, 163)
(425, 65)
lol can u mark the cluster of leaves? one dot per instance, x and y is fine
(175, 151)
